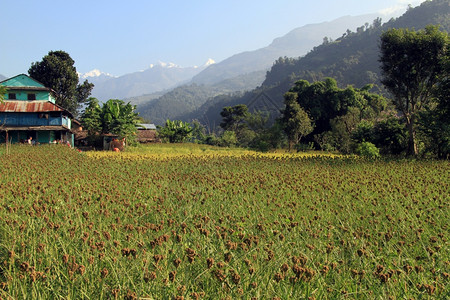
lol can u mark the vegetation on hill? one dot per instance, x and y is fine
(185, 99)
(353, 63)
(295, 43)
(351, 60)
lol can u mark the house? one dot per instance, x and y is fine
(146, 133)
(29, 110)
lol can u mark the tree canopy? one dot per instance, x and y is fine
(411, 65)
(296, 121)
(175, 131)
(233, 117)
(114, 117)
(324, 101)
(57, 71)
(91, 117)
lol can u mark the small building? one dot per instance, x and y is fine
(146, 133)
(29, 111)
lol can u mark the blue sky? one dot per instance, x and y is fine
(120, 37)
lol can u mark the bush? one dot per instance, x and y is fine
(368, 150)
(260, 144)
(390, 136)
(363, 132)
(228, 139)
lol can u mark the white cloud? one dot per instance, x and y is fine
(400, 7)
(392, 10)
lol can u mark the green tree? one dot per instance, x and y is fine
(175, 131)
(198, 132)
(411, 62)
(57, 71)
(119, 118)
(228, 139)
(238, 119)
(92, 117)
(295, 120)
(434, 123)
(368, 150)
(114, 117)
(325, 101)
(233, 118)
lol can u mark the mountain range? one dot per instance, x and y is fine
(294, 44)
(352, 59)
(157, 77)
(241, 72)
(312, 52)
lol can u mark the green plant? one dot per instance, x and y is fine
(228, 139)
(368, 150)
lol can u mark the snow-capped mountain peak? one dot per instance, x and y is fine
(209, 62)
(164, 65)
(93, 73)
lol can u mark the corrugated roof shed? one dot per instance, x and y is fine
(147, 126)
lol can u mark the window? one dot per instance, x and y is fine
(31, 96)
(12, 96)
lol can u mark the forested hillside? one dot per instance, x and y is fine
(294, 44)
(181, 101)
(351, 59)
(241, 72)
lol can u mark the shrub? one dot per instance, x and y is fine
(368, 150)
(228, 139)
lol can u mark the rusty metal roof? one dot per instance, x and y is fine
(31, 106)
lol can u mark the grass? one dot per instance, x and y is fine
(198, 222)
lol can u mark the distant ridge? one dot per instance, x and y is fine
(157, 77)
(294, 44)
(242, 72)
(351, 59)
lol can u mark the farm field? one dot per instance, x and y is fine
(196, 222)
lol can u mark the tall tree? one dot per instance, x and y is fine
(91, 117)
(57, 71)
(434, 123)
(119, 118)
(233, 117)
(295, 120)
(113, 117)
(411, 62)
